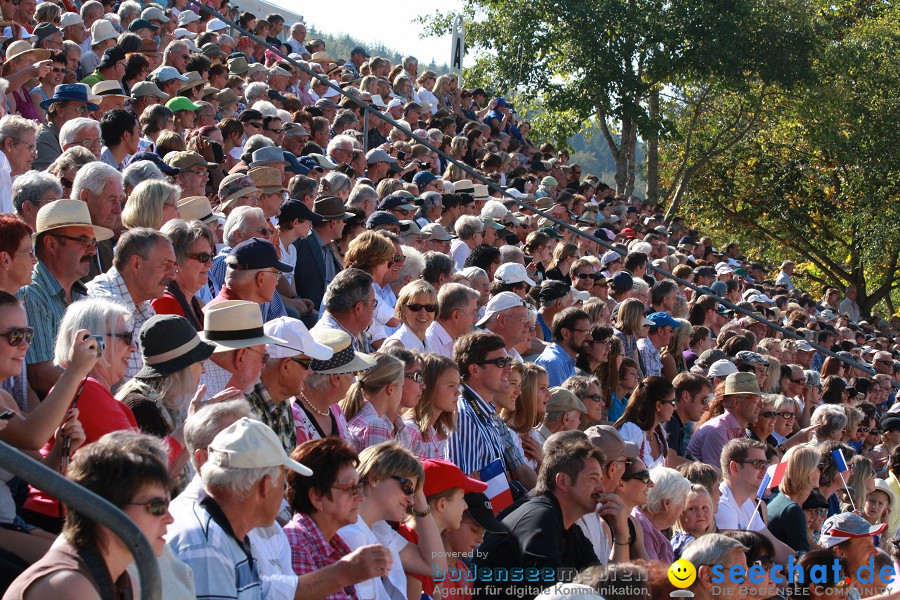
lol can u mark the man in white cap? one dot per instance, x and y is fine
(507, 316)
(243, 478)
(852, 538)
(283, 374)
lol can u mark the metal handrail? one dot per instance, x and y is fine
(496, 188)
(91, 505)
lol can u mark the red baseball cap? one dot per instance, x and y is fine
(628, 233)
(442, 475)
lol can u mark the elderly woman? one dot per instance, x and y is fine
(370, 401)
(322, 504)
(374, 253)
(160, 392)
(194, 246)
(665, 503)
(131, 471)
(761, 429)
(416, 309)
(587, 388)
(107, 323)
(66, 166)
(151, 204)
(829, 421)
(801, 476)
(785, 415)
(651, 405)
(392, 482)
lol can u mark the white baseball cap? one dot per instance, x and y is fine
(499, 303)
(187, 17)
(299, 340)
(216, 25)
(250, 444)
(721, 368)
(509, 273)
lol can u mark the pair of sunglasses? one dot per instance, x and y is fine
(155, 506)
(406, 485)
(644, 476)
(16, 335)
(417, 307)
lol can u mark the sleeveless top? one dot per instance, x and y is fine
(62, 556)
(24, 105)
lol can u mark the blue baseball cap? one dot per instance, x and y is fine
(256, 253)
(77, 92)
(380, 218)
(156, 160)
(662, 319)
(423, 178)
(621, 281)
(294, 165)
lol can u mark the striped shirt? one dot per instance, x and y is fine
(111, 286)
(367, 428)
(310, 551)
(45, 304)
(476, 442)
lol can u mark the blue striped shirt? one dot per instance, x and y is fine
(45, 303)
(476, 442)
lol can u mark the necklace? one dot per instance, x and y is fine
(313, 406)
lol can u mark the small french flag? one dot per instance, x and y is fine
(498, 485)
(839, 461)
(773, 477)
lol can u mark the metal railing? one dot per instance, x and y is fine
(508, 197)
(78, 498)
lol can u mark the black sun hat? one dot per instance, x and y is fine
(169, 344)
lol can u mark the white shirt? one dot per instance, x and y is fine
(407, 339)
(459, 252)
(731, 516)
(595, 530)
(288, 257)
(359, 535)
(6, 204)
(630, 432)
(438, 340)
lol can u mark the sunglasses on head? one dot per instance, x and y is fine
(644, 476)
(16, 335)
(417, 307)
(406, 485)
(155, 506)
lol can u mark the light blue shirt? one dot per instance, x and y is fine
(560, 365)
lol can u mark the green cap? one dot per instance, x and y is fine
(181, 103)
(551, 232)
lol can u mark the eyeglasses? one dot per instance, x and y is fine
(501, 363)
(256, 124)
(265, 355)
(85, 241)
(769, 414)
(398, 258)
(198, 172)
(415, 376)
(407, 485)
(305, 362)
(671, 401)
(90, 142)
(819, 512)
(785, 415)
(418, 307)
(264, 231)
(644, 476)
(31, 147)
(862, 430)
(354, 489)
(584, 275)
(759, 465)
(405, 213)
(16, 335)
(202, 257)
(275, 131)
(798, 380)
(592, 397)
(157, 507)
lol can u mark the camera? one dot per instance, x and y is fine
(101, 345)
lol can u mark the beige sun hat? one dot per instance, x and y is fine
(741, 383)
(197, 208)
(345, 359)
(102, 30)
(68, 213)
(235, 324)
(21, 48)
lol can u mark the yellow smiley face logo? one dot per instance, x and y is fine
(682, 573)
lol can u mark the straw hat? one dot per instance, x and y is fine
(198, 208)
(68, 213)
(741, 383)
(235, 324)
(345, 359)
(21, 48)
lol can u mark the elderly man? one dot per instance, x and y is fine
(65, 244)
(193, 172)
(177, 55)
(100, 186)
(83, 132)
(470, 233)
(661, 331)
(571, 334)
(507, 316)
(298, 38)
(709, 551)
(742, 402)
(243, 478)
(350, 306)
(68, 102)
(144, 264)
(543, 533)
(252, 274)
(31, 191)
(455, 318)
(564, 411)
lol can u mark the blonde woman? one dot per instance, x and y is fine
(801, 475)
(151, 204)
(529, 413)
(861, 483)
(630, 327)
(672, 356)
(563, 256)
(435, 414)
(369, 401)
(697, 519)
(416, 308)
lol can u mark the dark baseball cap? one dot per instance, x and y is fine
(553, 290)
(481, 510)
(380, 218)
(294, 209)
(621, 281)
(256, 253)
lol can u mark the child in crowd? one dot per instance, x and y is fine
(462, 542)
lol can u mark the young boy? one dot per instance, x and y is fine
(445, 489)
(478, 518)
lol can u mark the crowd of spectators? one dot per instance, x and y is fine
(311, 360)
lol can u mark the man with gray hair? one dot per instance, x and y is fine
(340, 147)
(32, 190)
(100, 186)
(470, 233)
(144, 264)
(83, 132)
(455, 318)
(708, 551)
(363, 197)
(252, 274)
(350, 304)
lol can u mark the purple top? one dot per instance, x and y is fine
(656, 544)
(24, 106)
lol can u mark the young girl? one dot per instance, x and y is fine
(880, 503)
(435, 413)
(529, 412)
(696, 520)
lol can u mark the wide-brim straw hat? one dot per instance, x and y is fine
(235, 324)
(198, 208)
(68, 213)
(169, 343)
(345, 359)
(741, 383)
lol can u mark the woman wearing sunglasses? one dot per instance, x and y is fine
(105, 324)
(761, 429)
(633, 489)
(89, 561)
(416, 308)
(324, 503)
(194, 246)
(801, 476)
(391, 480)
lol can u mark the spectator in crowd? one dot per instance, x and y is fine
(571, 333)
(650, 406)
(741, 400)
(455, 318)
(801, 476)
